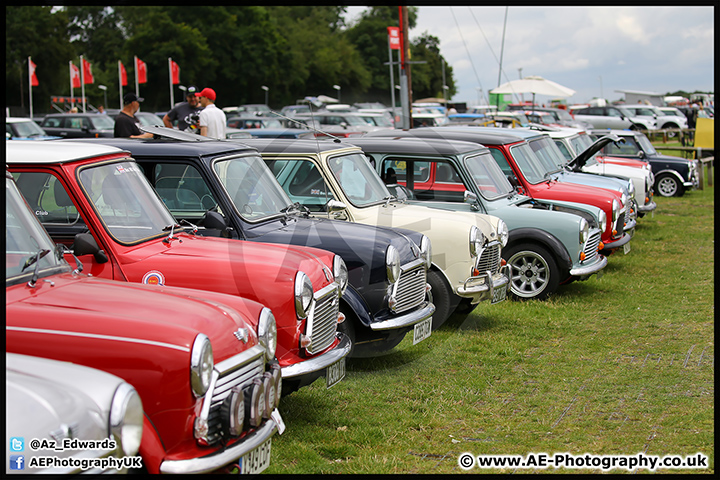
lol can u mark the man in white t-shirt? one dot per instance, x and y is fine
(212, 119)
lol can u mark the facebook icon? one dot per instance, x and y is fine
(17, 462)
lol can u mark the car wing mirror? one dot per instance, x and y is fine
(469, 197)
(213, 220)
(641, 154)
(85, 244)
(335, 206)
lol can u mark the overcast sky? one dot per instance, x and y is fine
(592, 50)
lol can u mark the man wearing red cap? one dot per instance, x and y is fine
(212, 119)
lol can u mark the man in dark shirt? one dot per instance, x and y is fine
(125, 122)
(185, 113)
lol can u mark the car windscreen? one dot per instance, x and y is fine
(528, 163)
(360, 183)
(26, 240)
(486, 174)
(646, 145)
(104, 122)
(551, 160)
(125, 202)
(251, 186)
(27, 129)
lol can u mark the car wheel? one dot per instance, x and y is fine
(364, 345)
(668, 186)
(465, 307)
(535, 274)
(671, 134)
(347, 327)
(440, 297)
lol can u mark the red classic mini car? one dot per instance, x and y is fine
(95, 199)
(204, 368)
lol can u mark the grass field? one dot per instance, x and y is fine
(616, 365)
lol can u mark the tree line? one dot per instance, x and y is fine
(294, 51)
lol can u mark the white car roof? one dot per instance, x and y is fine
(54, 152)
(17, 119)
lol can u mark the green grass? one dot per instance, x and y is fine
(612, 366)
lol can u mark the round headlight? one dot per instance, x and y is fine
(584, 231)
(602, 220)
(392, 264)
(477, 239)
(631, 189)
(624, 200)
(126, 418)
(615, 211)
(267, 332)
(426, 251)
(303, 295)
(340, 272)
(502, 232)
(201, 365)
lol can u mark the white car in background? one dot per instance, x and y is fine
(615, 117)
(572, 143)
(662, 120)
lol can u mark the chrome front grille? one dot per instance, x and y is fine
(410, 291)
(591, 246)
(239, 370)
(489, 259)
(322, 320)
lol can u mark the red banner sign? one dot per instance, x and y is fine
(394, 35)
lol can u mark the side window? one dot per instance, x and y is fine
(52, 122)
(303, 183)
(183, 190)
(51, 203)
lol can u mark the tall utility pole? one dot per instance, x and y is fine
(405, 80)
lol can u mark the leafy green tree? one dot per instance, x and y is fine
(320, 54)
(41, 33)
(427, 78)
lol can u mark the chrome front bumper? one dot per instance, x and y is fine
(223, 457)
(484, 291)
(319, 362)
(409, 319)
(584, 271)
(649, 207)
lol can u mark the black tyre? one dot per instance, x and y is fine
(365, 343)
(465, 307)
(440, 297)
(671, 125)
(667, 185)
(535, 274)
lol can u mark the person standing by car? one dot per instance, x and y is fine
(212, 119)
(126, 123)
(185, 113)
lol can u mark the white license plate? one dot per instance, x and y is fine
(626, 248)
(257, 460)
(499, 294)
(335, 372)
(422, 330)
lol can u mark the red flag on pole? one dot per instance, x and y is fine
(394, 34)
(123, 74)
(75, 75)
(175, 71)
(87, 72)
(31, 70)
(141, 69)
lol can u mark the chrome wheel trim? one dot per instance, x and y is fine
(530, 274)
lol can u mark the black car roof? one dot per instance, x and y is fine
(415, 145)
(468, 134)
(293, 145)
(149, 146)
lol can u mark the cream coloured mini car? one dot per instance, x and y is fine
(336, 180)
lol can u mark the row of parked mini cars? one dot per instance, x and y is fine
(205, 279)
